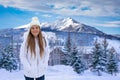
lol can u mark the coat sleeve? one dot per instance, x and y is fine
(23, 57)
(47, 54)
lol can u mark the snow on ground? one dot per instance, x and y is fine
(59, 72)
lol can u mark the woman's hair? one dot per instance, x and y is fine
(31, 43)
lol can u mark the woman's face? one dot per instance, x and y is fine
(35, 30)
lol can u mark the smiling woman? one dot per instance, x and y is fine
(34, 52)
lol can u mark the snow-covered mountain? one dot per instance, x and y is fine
(67, 25)
(70, 25)
(117, 35)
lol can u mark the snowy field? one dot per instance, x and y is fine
(59, 72)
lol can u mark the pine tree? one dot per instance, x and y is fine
(77, 61)
(67, 50)
(78, 64)
(96, 58)
(74, 54)
(104, 54)
(112, 66)
(68, 45)
(8, 60)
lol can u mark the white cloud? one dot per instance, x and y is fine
(63, 7)
(47, 15)
(110, 24)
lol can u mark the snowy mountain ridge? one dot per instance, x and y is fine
(67, 25)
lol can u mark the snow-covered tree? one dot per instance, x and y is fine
(74, 56)
(104, 54)
(68, 45)
(112, 66)
(96, 63)
(78, 62)
(8, 60)
(67, 50)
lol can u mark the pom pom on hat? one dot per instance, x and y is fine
(35, 21)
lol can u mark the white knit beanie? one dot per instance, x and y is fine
(35, 21)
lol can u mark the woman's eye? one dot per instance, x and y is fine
(33, 28)
(36, 27)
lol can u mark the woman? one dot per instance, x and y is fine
(34, 53)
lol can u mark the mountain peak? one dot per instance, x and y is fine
(70, 20)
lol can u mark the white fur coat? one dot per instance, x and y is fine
(33, 66)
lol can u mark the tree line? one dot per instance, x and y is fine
(102, 59)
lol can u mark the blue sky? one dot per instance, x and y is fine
(101, 14)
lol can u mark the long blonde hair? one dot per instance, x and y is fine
(31, 43)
